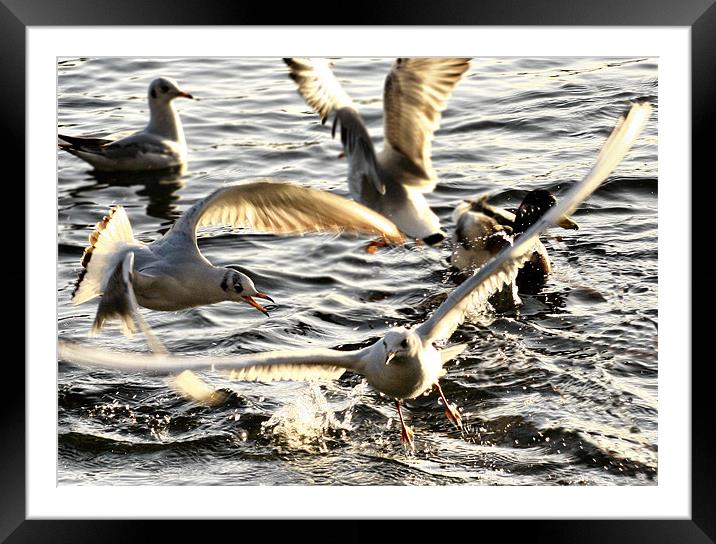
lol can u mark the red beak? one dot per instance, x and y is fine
(256, 305)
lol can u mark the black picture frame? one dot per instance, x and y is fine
(699, 15)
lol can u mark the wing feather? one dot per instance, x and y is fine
(504, 265)
(414, 97)
(280, 208)
(359, 150)
(277, 365)
(318, 85)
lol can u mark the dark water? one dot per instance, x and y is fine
(563, 391)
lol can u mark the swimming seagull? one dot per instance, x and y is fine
(160, 145)
(405, 362)
(392, 182)
(171, 273)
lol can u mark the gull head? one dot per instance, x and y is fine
(535, 204)
(240, 288)
(400, 344)
(164, 89)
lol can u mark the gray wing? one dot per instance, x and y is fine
(131, 146)
(280, 208)
(318, 85)
(277, 365)
(414, 97)
(135, 145)
(119, 302)
(505, 264)
(321, 90)
(82, 143)
(359, 151)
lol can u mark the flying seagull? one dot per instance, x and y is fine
(393, 181)
(171, 273)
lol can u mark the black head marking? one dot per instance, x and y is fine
(535, 205)
(153, 92)
(225, 281)
(165, 88)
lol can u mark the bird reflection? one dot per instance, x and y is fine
(159, 187)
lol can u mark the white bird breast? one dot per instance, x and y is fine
(405, 376)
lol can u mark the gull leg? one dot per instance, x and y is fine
(450, 409)
(406, 433)
(373, 246)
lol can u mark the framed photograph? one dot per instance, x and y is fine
(570, 410)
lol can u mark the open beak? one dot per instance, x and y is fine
(256, 305)
(185, 95)
(390, 356)
(567, 223)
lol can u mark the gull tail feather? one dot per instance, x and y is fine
(108, 235)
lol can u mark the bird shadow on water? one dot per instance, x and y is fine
(159, 188)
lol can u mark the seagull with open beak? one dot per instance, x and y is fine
(171, 273)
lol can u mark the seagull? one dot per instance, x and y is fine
(482, 229)
(405, 362)
(394, 181)
(159, 146)
(171, 273)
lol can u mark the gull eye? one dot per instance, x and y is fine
(165, 89)
(404, 343)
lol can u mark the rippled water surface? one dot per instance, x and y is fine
(562, 391)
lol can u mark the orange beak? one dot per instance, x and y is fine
(256, 305)
(185, 95)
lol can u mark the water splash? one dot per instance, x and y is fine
(312, 423)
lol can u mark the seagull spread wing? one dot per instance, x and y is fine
(280, 208)
(505, 264)
(318, 85)
(415, 94)
(320, 89)
(360, 153)
(277, 365)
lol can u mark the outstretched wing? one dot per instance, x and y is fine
(280, 208)
(414, 97)
(360, 153)
(320, 89)
(277, 365)
(318, 85)
(505, 264)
